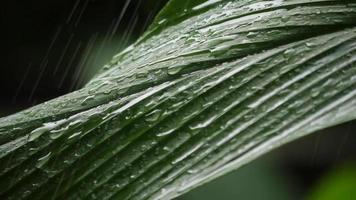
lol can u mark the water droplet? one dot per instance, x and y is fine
(153, 116)
(315, 93)
(74, 135)
(289, 51)
(56, 134)
(173, 70)
(192, 171)
(251, 34)
(36, 134)
(45, 128)
(87, 99)
(310, 44)
(164, 133)
(43, 160)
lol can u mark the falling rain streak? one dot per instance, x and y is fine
(73, 64)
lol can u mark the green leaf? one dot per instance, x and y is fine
(191, 100)
(175, 11)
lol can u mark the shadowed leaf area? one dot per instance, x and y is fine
(212, 85)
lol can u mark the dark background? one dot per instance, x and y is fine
(52, 47)
(49, 48)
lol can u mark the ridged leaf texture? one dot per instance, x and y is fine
(212, 85)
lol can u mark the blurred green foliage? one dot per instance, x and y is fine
(261, 179)
(339, 184)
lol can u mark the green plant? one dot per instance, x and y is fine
(210, 86)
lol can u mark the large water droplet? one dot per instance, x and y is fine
(173, 70)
